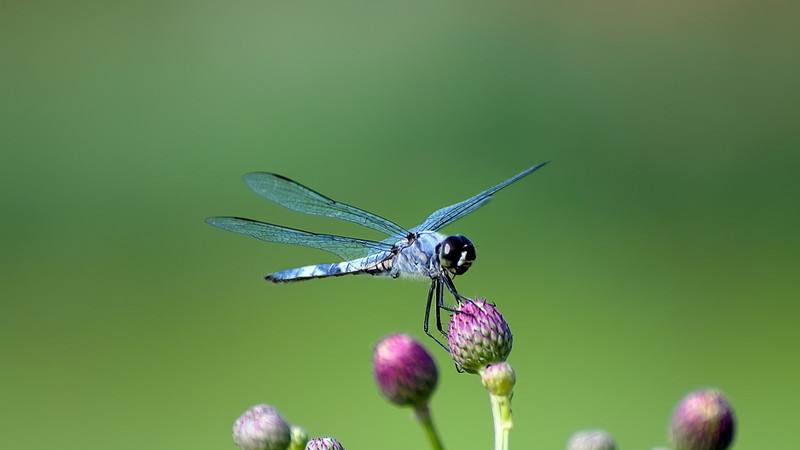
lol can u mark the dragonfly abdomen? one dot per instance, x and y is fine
(372, 265)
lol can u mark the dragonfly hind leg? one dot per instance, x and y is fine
(439, 307)
(435, 286)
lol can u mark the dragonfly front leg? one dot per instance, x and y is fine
(452, 288)
(459, 298)
(440, 299)
(435, 286)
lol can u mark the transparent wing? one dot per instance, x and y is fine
(295, 196)
(345, 247)
(449, 214)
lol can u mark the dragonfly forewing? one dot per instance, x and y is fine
(293, 195)
(449, 214)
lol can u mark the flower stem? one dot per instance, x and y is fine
(501, 411)
(423, 414)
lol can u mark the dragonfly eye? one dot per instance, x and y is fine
(456, 254)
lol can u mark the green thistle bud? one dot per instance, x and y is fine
(325, 443)
(591, 440)
(703, 421)
(261, 428)
(498, 378)
(299, 438)
(478, 335)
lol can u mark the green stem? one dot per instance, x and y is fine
(423, 413)
(501, 412)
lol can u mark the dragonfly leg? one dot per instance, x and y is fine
(459, 298)
(428, 307)
(440, 300)
(434, 287)
(452, 288)
(439, 307)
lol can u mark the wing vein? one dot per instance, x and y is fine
(297, 197)
(345, 247)
(449, 214)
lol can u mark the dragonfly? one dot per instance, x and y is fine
(421, 252)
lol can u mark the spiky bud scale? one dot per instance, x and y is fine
(324, 443)
(478, 335)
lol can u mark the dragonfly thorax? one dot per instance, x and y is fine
(456, 254)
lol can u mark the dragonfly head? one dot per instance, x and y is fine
(456, 254)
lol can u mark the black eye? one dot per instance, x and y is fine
(456, 253)
(451, 249)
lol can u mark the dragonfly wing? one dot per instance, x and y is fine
(345, 247)
(295, 196)
(449, 214)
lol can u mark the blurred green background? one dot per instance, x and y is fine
(657, 254)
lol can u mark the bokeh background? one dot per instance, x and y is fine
(658, 253)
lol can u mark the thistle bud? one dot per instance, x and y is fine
(405, 372)
(261, 428)
(299, 438)
(324, 443)
(498, 378)
(703, 421)
(591, 440)
(478, 335)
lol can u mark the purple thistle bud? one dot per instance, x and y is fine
(405, 372)
(499, 378)
(478, 335)
(261, 428)
(703, 421)
(591, 440)
(324, 443)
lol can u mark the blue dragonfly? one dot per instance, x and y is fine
(420, 252)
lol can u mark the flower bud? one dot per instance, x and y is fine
(299, 438)
(478, 335)
(498, 378)
(261, 428)
(325, 443)
(703, 421)
(591, 440)
(405, 372)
